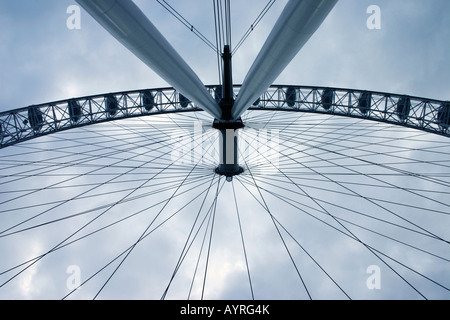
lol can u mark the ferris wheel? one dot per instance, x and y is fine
(227, 191)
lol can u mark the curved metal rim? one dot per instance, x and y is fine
(34, 121)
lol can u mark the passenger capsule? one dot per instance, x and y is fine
(184, 102)
(403, 108)
(291, 96)
(148, 101)
(75, 111)
(327, 99)
(112, 105)
(444, 114)
(35, 118)
(364, 102)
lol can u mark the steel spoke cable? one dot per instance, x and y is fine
(74, 197)
(254, 25)
(359, 240)
(82, 161)
(186, 247)
(107, 226)
(356, 183)
(407, 173)
(153, 192)
(387, 153)
(369, 200)
(197, 233)
(243, 242)
(145, 231)
(75, 232)
(352, 237)
(296, 204)
(209, 215)
(266, 208)
(370, 163)
(269, 181)
(367, 144)
(90, 172)
(210, 239)
(218, 36)
(81, 141)
(148, 233)
(187, 24)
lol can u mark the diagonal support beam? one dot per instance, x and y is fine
(128, 24)
(296, 24)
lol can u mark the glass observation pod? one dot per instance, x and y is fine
(35, 118)
(148, 100)
(443, 116)
(184, 102)
(111, 105)
(364, 102)
(403, 108)
(291, 96)
(75, 111)
(327, 98)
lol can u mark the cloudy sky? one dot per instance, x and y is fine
(42, 60)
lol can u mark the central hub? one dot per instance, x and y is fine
(228, 148)
(228, 128)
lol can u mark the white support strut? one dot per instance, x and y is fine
(296, 24)
(128, 24)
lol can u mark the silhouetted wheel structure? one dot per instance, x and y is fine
(129, 195)
(256, 191)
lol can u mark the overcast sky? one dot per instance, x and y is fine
(42, 60)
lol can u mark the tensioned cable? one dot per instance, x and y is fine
(78, 230)
(242, 241)
(116, 222)
(356, 238)
(248, 181)
(147, 228)
(218, 36)
(110, 151)
(347, 168)
(68, 179)
(266, 208)
(346, 148)
(210, 239)
(253, 25)
(280, 196)
(186, 246)
(297, 203)
(186, 23)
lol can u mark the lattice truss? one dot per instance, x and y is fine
(38, 120)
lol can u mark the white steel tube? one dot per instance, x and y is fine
(296, 24)
(128, 24)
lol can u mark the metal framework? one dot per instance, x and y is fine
(38, 120)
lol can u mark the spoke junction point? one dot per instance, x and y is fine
(228, 148)
(228, 138)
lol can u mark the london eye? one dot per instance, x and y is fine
(259, 190)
